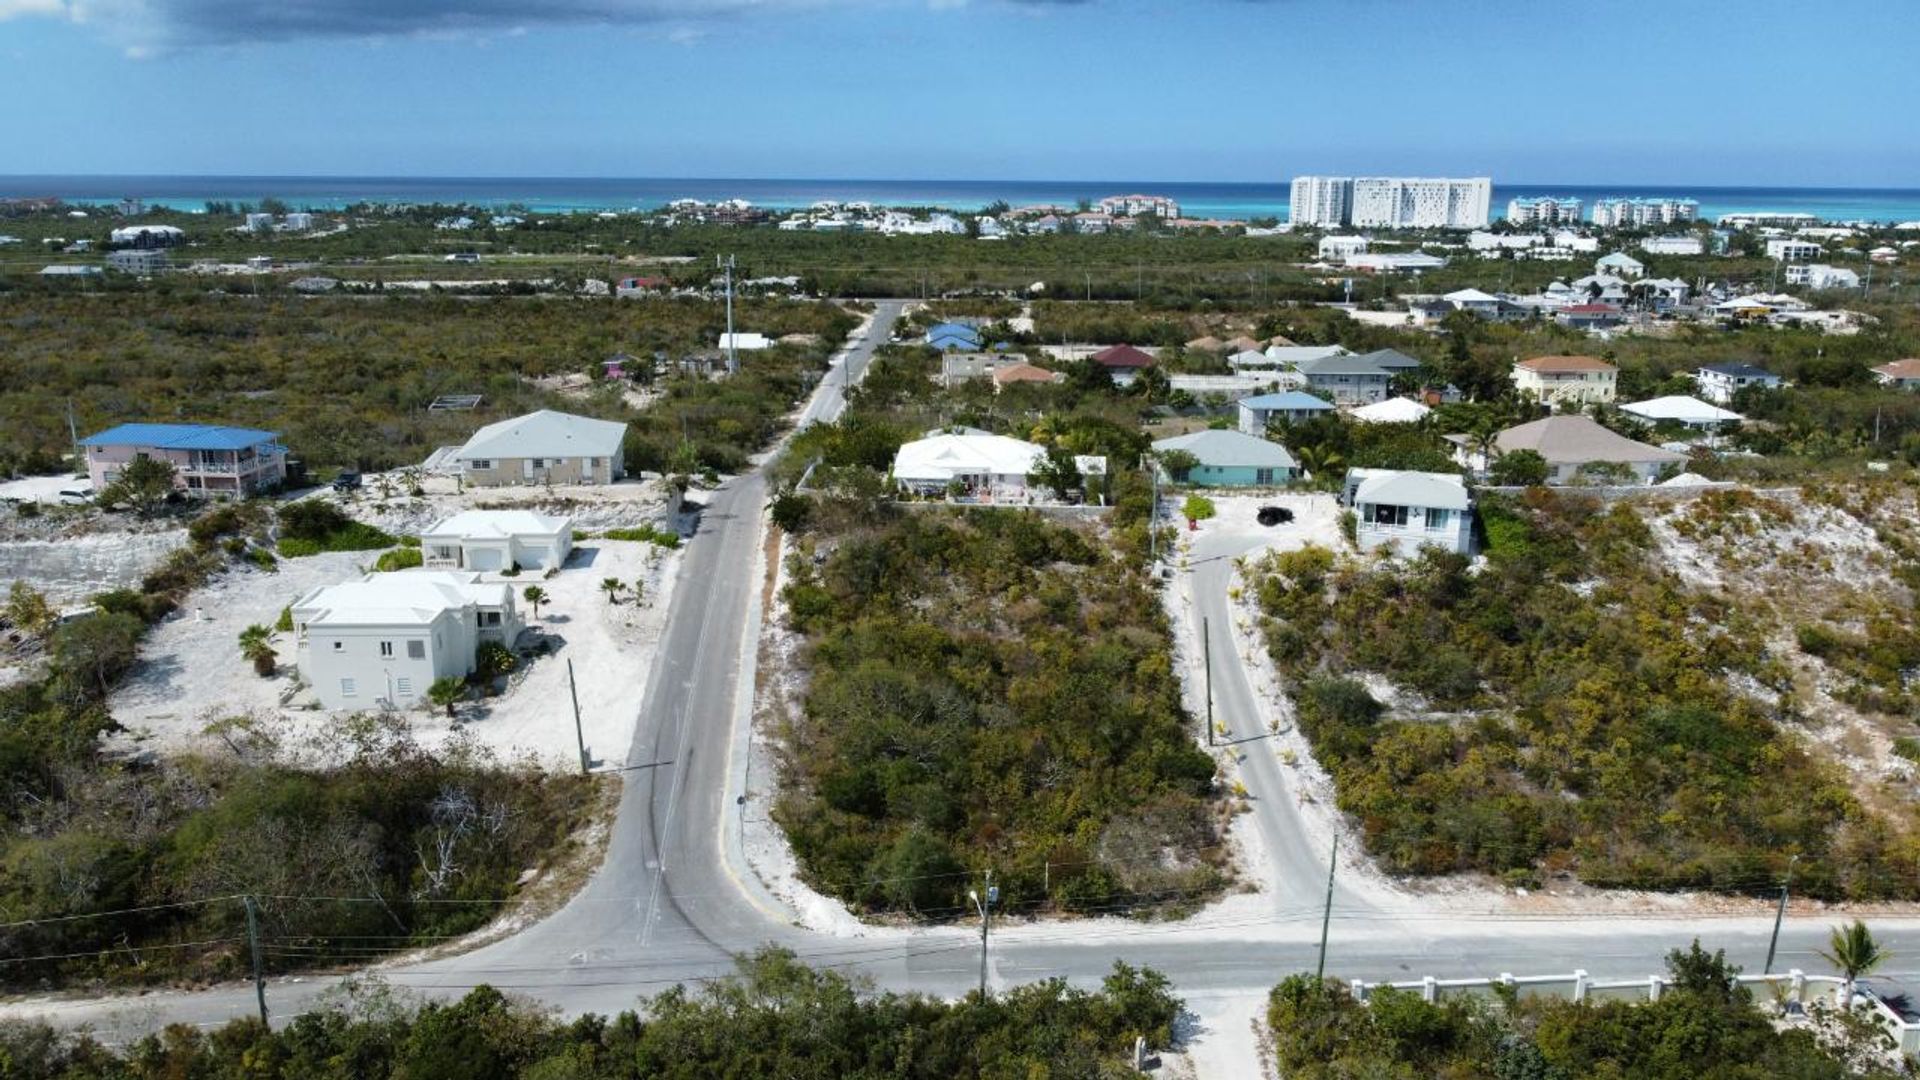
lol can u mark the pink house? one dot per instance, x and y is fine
(207, 459)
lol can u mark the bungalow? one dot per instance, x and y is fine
(1122, 362)
(1555, 380)
(1589, 316)
(1230, 459)
(1719, 382)
(1023, 372)
(206, 459)
(1293, 407)
(1572, 446)
(380, 642)
(1351, 380)
(544, 447)
(988, 467)
(1407, 511)
(1682, 410)
(958, 367)
(497, 540)
(1621, 265)
(1901, 374)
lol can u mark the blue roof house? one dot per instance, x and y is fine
(954, 335)
(207, 460)
(1231, 459)
(1292, 406)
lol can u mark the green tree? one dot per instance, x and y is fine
(446, 692)
(1177, 464)
(256, 648)
(791, 511)
(28, 611)
(492, 660)
(90, 652)
(1197, 508)
(1519, 468)
(143, 485)
(534, 596)
(1056, 471)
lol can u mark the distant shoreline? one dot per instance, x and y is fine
(1226, 201)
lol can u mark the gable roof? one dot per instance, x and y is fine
(499, 524)
(1340, 365)
(1122, 356)
(1022, 372)
(1391, 411)
(1680, 407)
(545, 434)
(399, 598)
(1900, 369)
(1390, 360)
(1469, 296)
(1404, 487)
(1290, 401)
(1551, 364)
(1249, 358)
(1221, 448)
(1295, 354)
(1577, 440)
(182, 437)
(940, 458)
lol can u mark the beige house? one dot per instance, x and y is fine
(1576, 449)
(1558, 380)
(544, 447)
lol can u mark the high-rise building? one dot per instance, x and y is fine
(1320, 200)
(1625, 213)
(1543, 210)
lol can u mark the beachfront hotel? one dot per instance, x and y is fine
(1392, 202)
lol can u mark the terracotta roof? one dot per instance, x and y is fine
(1122, 356)
(1566, 363)
(1021, 373)
(1900, 369)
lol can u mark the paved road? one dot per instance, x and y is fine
(669, 906)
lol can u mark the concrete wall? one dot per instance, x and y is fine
(508, 472)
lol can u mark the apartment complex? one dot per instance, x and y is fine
(1392, 202)
(1134, 205)
(1320, 200)
(1544, 210)
(1620, 212)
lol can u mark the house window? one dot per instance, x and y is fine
(480, 463)
(489, 618)
(1389, 515)
(403, 687)
(339, 646)
(416, 650)
(347, 688)
(539, 463)
(1263, 476)
(386, 648)
(1436, 519)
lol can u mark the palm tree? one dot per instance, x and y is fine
(1320, 462)
(612, 586)
(535, 596)
(1853, 950)
(254, 646)
(447, 691)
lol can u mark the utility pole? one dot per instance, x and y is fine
(1326, 919)
(985, 907)
(1206, 651)
(733, 357)
(1779, 915)
(579, 736)
(253, 946)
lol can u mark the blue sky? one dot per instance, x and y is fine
(1760, 92)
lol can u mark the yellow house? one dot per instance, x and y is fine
(1555, 380)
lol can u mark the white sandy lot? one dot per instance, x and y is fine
(191, 671)
(43, 488)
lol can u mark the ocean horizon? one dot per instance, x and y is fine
(1227, 201)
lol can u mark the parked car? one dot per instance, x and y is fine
(347, 481)
(76, 496)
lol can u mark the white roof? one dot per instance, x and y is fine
(1249, 358)
(746, 341)
(1469, 296)
(498, 524)
(133, 233)
(1302, 354)
(1396, 487)
(945, 457)
(1687, 410)
(1391, 411)
(1618, 258)
(545, 434)
(400, 598)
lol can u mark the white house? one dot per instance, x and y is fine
(1672, 245)
(1718, 383)
(742, 342)
(1812, 275)
(1292, 406)
(1786, 249)
(496, 540)
(1407, 511)
(992, 468)
(1397, 410)
(382, 641)
(1621, 265)
(1340, 248)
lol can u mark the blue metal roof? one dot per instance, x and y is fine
(1292, 399)
(182, 437)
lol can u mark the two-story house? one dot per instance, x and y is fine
(380, 642)
(1557, 380)
(207, 460)
(1719, 382)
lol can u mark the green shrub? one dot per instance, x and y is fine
(1907, 746)
(1197, 508)
(402, 558)
(646, 533)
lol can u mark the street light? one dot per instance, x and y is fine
(985, 908)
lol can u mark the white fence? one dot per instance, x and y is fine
(1580, 987)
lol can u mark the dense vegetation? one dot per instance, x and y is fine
(778, 1018)
(1704, 1027)
(347, 380)
(989, 690)
(118, 869)
(1586, 718)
